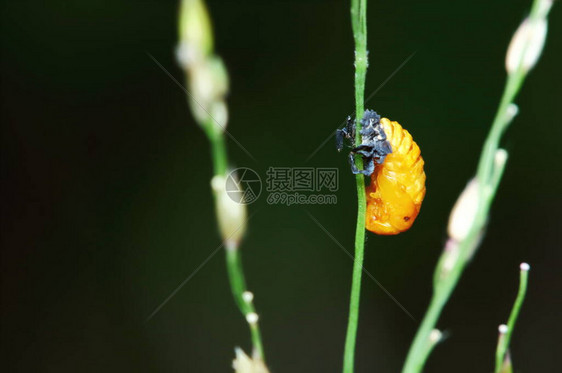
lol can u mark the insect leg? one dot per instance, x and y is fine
(354, 168)
(369, 166)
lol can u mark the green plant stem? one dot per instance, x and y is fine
(500, 124)
(238, 287)
(349, 352)
(422, 346)
(233, 258)
(359, 25)
(503, 341)
(502, 120)
(488, 175)
(218, 148)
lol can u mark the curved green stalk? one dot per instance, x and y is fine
(233, 258)
(359, 25)
(505, 335)
(238, 287)
(218, 149)
(207, 79)
(488, 175)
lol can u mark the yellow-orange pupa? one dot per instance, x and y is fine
(397, 187)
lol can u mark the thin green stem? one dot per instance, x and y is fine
(488, 176)
(523, 279)
(354, 301)
(503, 341)
(218, 149)
(499, 125)
(422, 344)
(205, 68)
(233, 257)
(238, 288)
(359, 25)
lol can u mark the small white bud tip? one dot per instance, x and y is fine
(500, 157)
(435, 336)
(502, 329)
(512, 110)
(217, 183)
(525, 266)
(252, 318)
(248, 296)
(464, 212)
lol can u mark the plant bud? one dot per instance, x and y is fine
(464, 212)
(231, 215)
(195, 32)
(208, 85)
(243, 363)
(526, 45)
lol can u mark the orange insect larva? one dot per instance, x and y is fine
(397, 187)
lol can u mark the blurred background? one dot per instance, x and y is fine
(106, 205)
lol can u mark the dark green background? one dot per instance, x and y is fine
(106, 205)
